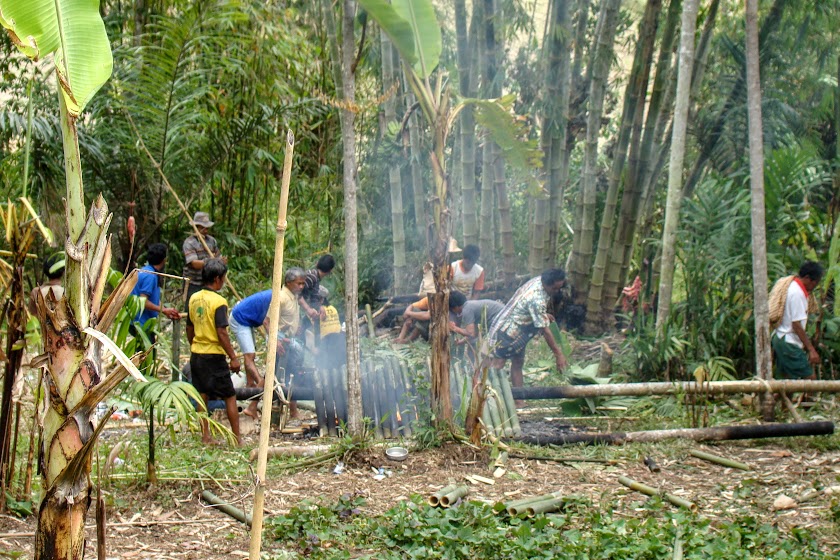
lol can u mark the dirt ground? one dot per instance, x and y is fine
(169, 522)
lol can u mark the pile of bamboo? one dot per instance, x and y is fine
(533, 505)
(448, 495)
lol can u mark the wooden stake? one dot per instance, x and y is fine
(274, 317)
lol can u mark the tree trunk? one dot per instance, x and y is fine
(672, 208)
(759, 229)
(631, 122)
(585, 230)
(467, 126)
(72, 383)
(394, 175)
(355, 423)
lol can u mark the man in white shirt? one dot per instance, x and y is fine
(793, 352)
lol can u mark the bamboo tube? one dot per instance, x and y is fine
(487, 419)
(651, 491)
(392, 381)
(411, 401)
(544, 506)
(329, 401)
(510, 404)
(320, 405)
(367, 409)
(225, 507)
(505, 413)
(385, 413)
(274, 317)
(518, 507)
(434, 499)
(391, 396)
(453, 496)
(374, 399)
(492, 405)
(340, 392)
(719, 460)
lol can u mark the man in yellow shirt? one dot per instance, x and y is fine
(288, 345)
(207, 324)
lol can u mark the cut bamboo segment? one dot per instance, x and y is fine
(651, 491)
(545, 506)
(434, 499)
(507, 394)
(723, 461)
(454, 496)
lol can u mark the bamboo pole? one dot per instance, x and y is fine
(183, 207)
(684, 387)
(274, 317)
(719, 460)
(225, 507)
(651, 491)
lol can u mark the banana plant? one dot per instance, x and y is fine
(73, 326)
(414, 30)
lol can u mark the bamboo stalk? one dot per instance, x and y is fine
(507, 394)
(719, 460)
(274, 315)
(434, 499)
(651, 491)
(454, 496)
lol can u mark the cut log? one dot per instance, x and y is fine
(717, 433)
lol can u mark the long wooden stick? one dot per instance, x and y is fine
(178, 200)
(274, 320)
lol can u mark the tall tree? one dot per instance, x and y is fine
(585, 224)
(759, 229)
(675, 168)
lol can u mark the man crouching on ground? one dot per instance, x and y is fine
(207, 324)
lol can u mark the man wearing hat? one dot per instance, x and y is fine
(195, 255)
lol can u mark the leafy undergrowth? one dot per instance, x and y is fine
(473, 530)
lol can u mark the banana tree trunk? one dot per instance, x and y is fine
(394, 175)
(759, 229)
(73, 384)
(585, 230)
(673, 203)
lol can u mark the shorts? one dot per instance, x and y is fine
(211, 376)
(508, 347)
(244, 335)
(791, 361)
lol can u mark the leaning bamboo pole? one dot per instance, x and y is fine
(274, 320)
(668, 388)
(181, 205)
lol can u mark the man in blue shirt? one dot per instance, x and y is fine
(249, 314)
(148, 287)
